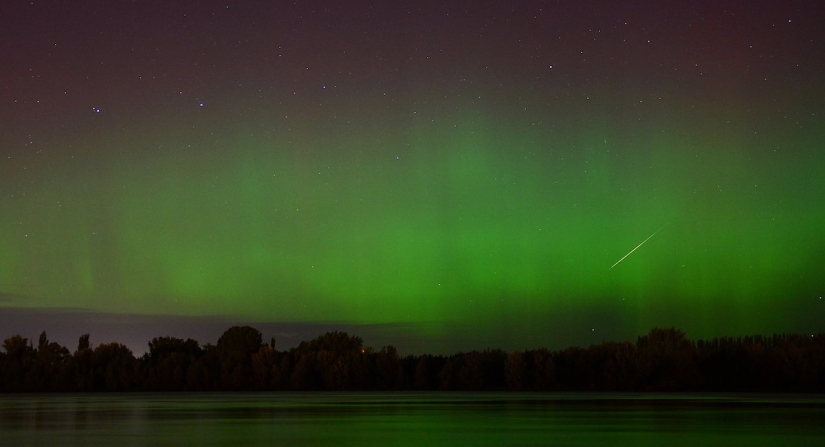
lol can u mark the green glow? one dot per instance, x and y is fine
(475, 222)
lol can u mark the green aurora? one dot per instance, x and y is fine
(470, 223)
(494, 209)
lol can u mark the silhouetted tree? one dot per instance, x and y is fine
(662, 360)
(389, 374)
(541, 371)
(235, 348)
(427, 372)
(332, 361)
(83, 342)
(470, 377)
(572, 371)
(304, 375)
(81, 363)
(338, 342)
(282, 380)
(515, 371)
(263, 363)
(114, 368)
(667, 360)
(18, 362)
(50, 371)
(167, 363)
(448, 378)
(205, 373)
(621, 367)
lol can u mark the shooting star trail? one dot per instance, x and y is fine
(636, 248)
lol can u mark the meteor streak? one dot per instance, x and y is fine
(634, 249)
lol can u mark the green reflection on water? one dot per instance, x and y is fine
(411, 419)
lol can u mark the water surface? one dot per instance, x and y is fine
(431, 419)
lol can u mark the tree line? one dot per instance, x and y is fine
(662, 360)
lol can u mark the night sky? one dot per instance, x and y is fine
(436, 175)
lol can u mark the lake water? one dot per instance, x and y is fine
(409, 419)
